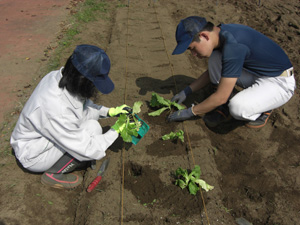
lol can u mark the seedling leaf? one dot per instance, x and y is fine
(130, 122)
(158, 112)
(204, 185)
(179, 107)
(179, 134)
(158, 101)
(193, 188)
(191, 180)
(164, 104)
(137, 107)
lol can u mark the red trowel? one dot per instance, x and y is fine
(99, 175)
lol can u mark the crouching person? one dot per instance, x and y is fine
(58, 128)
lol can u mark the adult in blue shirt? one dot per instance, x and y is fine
(238, 55)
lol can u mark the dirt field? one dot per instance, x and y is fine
(255, 173)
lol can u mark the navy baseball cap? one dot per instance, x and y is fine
(93, 63)
(185, 32)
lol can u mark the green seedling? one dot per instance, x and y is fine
(151, 203)
(163, 104)
(226, 210)
(192, 180)
(132, 124)
(173, 136)
(44, 200)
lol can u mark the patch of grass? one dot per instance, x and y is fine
(88, 11)
(5, 134)
(121, 5)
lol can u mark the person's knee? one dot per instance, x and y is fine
(93, 127)
(237, 109)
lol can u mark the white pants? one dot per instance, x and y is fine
(54, 152)
(260, 94)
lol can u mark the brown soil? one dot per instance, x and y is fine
(255, 172)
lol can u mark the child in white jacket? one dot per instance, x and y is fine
(58, 127)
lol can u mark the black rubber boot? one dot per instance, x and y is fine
(59, 176)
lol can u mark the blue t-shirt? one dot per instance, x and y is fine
(244, 47)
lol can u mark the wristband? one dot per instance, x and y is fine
(193, 110)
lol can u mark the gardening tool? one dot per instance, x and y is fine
(101, 171)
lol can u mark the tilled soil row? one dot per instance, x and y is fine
(149, 195)
(254, 172)
(233, 159)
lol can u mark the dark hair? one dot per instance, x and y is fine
(75, 82)
(208, 27)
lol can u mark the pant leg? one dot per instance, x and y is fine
(267, 93)
(54, 152)
(47, 159)
(65, 164)
(260, 94)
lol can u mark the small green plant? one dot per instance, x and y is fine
(132, 124)
(192, 180)
(44, 199)
(174, 135)
(226, 210)
(151, 203)
(163, 104)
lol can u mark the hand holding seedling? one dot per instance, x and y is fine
(181, 115)
(181, 96)
(163, 104)
(128, 124)
(123, 109)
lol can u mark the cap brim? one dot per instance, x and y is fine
(182, 47)
(105, 86)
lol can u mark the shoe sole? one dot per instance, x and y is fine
(59, 186)
(261, 125)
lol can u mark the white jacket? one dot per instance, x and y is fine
(52, 116)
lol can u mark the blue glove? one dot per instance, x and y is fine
(181, 115)
(181, 96)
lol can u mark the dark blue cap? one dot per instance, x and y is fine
(93, 63)
(185, 32)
